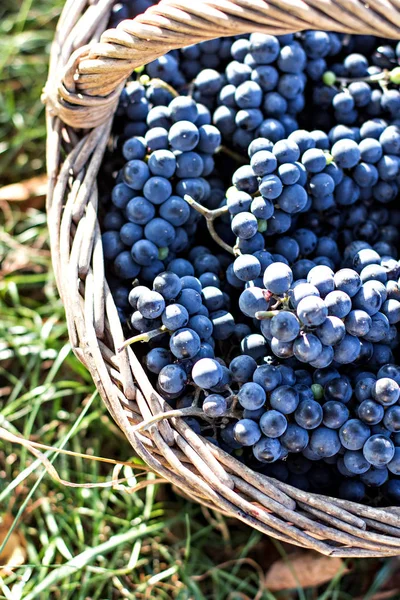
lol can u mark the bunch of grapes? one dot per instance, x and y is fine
(170, 161)
(282, 418)
(270, 412)
(262, 89)
(347, 316)
(312, 171)
(357, 89)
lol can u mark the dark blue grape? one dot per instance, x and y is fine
(253, 300)
(285, 399)
(268, 376)
(312, 311)
(355, 462)
(353, 434)
(263, 163)
(244, 225)
(157, 359)
(273, 424)
(112, 244)
(242, 368)
(307, 347)
(247, 267)
(206, 373)
(378, 450)
(246, 432)
(214, 406)
(251, 396)
(125, 267)
(285, 326)
(375, 477)
(386, 391)
(172, 379)
(223, 325)
(335, 414)
(358, 323)
(175, 316)
(331, 331)
(324, 442)
(184, 343)
(348, 350)
(370, 412)
(295, 439)
(308, 414)
(278, 278)
(267, 450)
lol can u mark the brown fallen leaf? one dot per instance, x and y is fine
(303, 569)
(14, 552)
(30, 192)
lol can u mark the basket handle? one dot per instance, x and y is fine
(84, 91)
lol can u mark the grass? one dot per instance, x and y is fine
(85, 537)
(26, 31)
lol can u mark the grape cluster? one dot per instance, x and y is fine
(262, 89)
(170, 161)
(352, 89)
(312, 171)
(282, 415)
(183, 316)
(263, 299)
(343, 316)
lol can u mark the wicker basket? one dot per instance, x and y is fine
(88, 69)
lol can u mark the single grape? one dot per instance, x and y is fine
(378, 450)
(324, 442)
(295, 438)
(267, 450)
(278, 278)
(206, 373)
(353, 434)
(184, 343)
(284, 399)
(273, 423)
(242, 368)
(246, 432)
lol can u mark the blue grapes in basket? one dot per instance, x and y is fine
(211, 54)
(263, 299)
(317, 173)
(179, 68)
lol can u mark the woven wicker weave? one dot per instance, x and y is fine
(87, 72)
